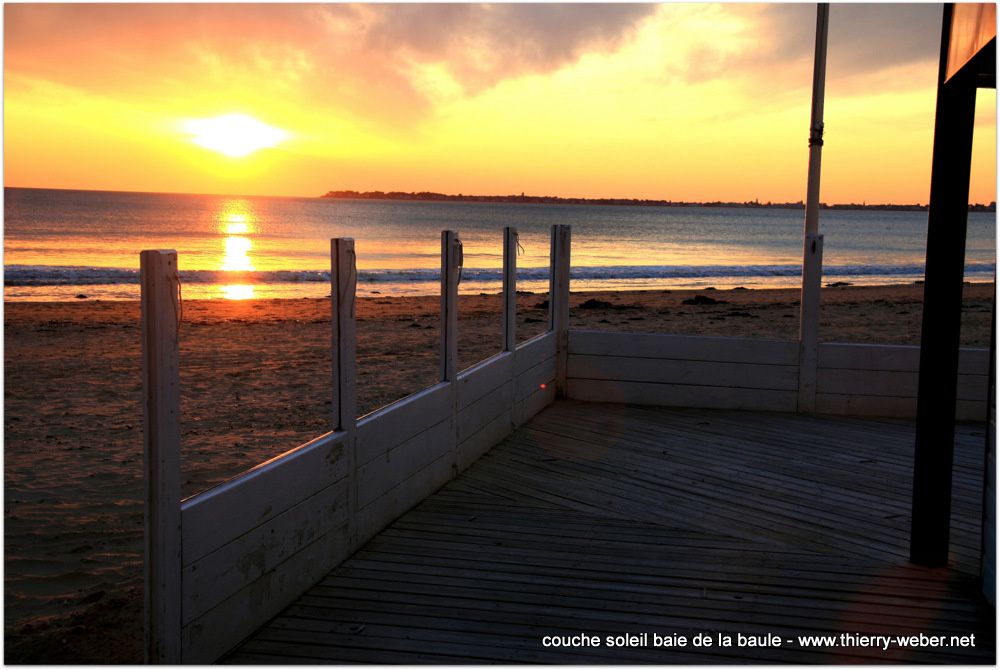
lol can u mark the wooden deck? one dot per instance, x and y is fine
(612, 519)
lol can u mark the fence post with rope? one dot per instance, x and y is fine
(452, 259)
(510, 248)
(343, 285)
(161, 318)
(559, 273)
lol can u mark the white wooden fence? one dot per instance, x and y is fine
(759, 374)
(881, 380)
(683, 370)
(223, 562)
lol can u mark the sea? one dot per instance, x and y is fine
(71, 245)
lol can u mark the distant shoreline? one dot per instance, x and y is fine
(428, 196)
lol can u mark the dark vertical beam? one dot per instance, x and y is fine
(988, 541)
(942, 313)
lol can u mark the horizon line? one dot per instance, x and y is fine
(624, 201)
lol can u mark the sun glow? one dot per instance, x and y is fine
(595, 115)
(237, 258)
(234, 135)
(235, 224)
(238, 291)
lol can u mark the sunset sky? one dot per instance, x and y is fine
(678, 101)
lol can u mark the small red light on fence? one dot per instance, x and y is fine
(541, 386)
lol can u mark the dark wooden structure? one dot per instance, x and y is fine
(615, 519)
(967, 62)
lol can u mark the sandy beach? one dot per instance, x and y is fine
(255, 379)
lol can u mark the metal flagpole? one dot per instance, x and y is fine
(812, 251)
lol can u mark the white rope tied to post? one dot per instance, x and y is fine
(458, 254)
(178, 300)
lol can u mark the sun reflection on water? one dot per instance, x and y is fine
(237, 228)
(238, 291)
(237, 255)
(236, 224)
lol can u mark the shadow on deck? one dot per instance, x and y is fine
(613, 519)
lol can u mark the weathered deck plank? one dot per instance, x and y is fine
(610, 519)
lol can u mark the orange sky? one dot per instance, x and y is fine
(685, 101)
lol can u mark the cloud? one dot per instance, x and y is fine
(864, 39)
(484, 44)
(776, 42)
(871, 37)
(385, 67)
(361, 58)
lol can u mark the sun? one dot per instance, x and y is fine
(234, 135)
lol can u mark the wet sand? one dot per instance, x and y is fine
(255, 382)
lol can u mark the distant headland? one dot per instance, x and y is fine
(628, 202)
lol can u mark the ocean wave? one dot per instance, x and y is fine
(60, 275)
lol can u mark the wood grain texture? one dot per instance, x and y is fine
(881, 380)
(401, 497)
(343, 285)
(161, 454)
(382, 430)
(719, 372)
(214, 633)
(559, 300)
(509, 315)
(344, 389)
(451, 254)
(681, 372)
(892, 383)
(532, 404)
(534, 378)
(532, 352)
(212, 579)
(612, 519)
(809, 309)
(905, 358)
(387, 471)
(478, 414)
(677, 395)
(683, 347)
(483, 378)
(476, 443)
(223, 513)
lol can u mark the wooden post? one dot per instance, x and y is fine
(343, 285)
(812, 277)
(944, 271)
(343, 346)
(161, 455)
(812, 244)
(451, 263)
(816, 119)
(509, 288)
(559, 300)
(988, 541)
